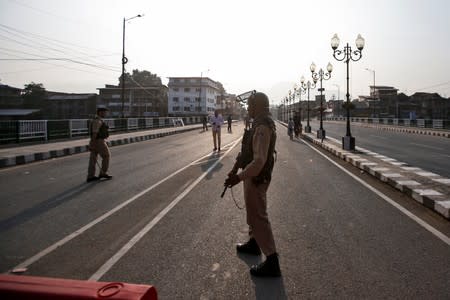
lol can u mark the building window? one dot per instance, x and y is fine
(197, 99)
(175, 89)
(198, 90)
(187, 99)
(187, 108)
(176, 108)
(186, 90)
(175, 99)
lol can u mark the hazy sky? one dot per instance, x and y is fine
(245, 44)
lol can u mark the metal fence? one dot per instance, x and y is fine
(44, 130)
(420, 123)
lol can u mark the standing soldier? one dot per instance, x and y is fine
(257, 160)
(229, 120)
(97, 145)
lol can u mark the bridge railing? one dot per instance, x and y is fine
(17, 131)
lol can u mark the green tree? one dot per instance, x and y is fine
(34, 95)
(143, 78)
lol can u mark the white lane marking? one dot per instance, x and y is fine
(81, 230)
(116, 257)
(422, 223)
(426, 146)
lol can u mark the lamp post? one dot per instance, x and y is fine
(124, 62)
(285, 108)
(348, 142)
(307, 86)
(373, 71)
(290, 105)
(339, 90)
(299, 90)
(320, 76)
(373, 92)
(200, 93)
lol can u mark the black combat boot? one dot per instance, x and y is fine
(251, 247)
(268, 268)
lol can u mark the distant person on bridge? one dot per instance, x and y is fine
(290, 128)
(216, 124)
(205, 123)
(297, 125)
(97, 145)
(229, 120)
(257, 160)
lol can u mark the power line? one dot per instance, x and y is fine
(48, 13)
(54, 49)
(61, 66)
(54, 58)
(433, 86)
(46, 39)
(58, 59)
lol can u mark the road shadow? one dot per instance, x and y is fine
(265, 288)
(269, 288)
(209, 162)
(43, 207)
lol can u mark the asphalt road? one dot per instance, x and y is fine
(431, 153)
(336, 237)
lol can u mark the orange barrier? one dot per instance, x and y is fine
(37, 288)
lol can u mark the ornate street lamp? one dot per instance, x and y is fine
(307, 86)
(298, 90)
(290, 107)
(320, 76)
(348, 142)
(124, 62)
(285, 108)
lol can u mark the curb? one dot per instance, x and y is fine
(25, 159)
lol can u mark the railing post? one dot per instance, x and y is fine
(18, 131)
(70, 128)
(46, 130)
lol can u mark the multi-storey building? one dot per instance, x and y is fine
(69, 105)
(140, 101)
(193, 95)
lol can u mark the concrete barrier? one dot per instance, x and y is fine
(36, 288)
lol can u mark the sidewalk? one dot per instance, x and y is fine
(26, 154)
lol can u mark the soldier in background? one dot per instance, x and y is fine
(97, 145)
(257, 160)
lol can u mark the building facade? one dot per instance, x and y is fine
(10, 97)
(193, 96)
(139, 101)
(70, 105)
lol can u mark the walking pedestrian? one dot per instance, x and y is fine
(256, 160)
(297, 125)
(205, 123)
(216, 123)
(291, 129)
(99, 131)
(229, 120)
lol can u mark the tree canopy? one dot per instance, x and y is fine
(34, 95)
(143, 78)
